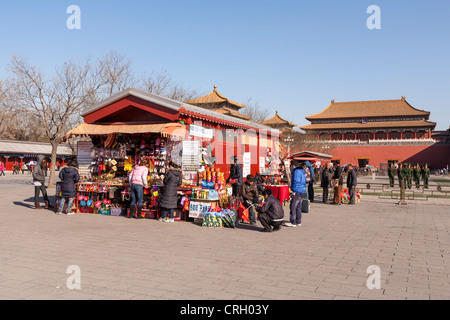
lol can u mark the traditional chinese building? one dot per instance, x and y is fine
(20, 152)
(376, 132)
(214, 101)
(288, 143)
(279, 123)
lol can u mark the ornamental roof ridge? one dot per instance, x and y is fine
(367, 109)
(276, 120)
(212, 98)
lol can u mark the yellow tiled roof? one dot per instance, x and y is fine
(277, 120)
(366, 109)
(213, 98)
(369, 125)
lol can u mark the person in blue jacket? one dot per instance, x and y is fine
(311, 181)
(298, 188)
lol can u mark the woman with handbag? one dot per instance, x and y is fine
(39, 183)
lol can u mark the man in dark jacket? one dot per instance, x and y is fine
(325, 182)
(339, 181)
(39, 183)
(169, 198)
(250, 195)
(236, 176)
(351, 183)
(310, 184)
(271, 213)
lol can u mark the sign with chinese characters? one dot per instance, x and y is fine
(201, 132)
(191, 155)
(246, 161)
(197, 208)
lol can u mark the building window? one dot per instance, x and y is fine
(394, 136)
(381, 136)
(364, 136)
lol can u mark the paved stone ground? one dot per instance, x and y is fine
(326, 258)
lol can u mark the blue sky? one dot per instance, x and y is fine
(290, 56)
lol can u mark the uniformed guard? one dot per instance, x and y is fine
(391, 174)
(402, 182)
(425, 175)
(417, 172)
(409, 173)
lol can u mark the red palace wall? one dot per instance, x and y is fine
(436, 156)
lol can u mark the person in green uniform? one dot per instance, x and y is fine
(408, 175)
(416, 175)
(425, 175)
(402, 182)
(391, 174)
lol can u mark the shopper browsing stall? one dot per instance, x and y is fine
(138, 181)
(169, 199)
(69, 176)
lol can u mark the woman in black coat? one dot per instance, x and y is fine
(69, 177)
(169, 200)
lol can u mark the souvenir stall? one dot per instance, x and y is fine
(132, 125)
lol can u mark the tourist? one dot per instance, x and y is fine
(24, 168)
(310, 184)
(416, 175)
(298, 188)
(338, 179)
(351, 183)
(391, 174)
(169, 198)
(425, 175)
(138, 181)
(69, 176)
(236, 177)
(325, 181)
(271, 213)
(250, 196)
(307, 177)
(2, 168)
(39, 184)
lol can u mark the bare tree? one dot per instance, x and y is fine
(161, 83)
(255, 111)
(54, 101)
